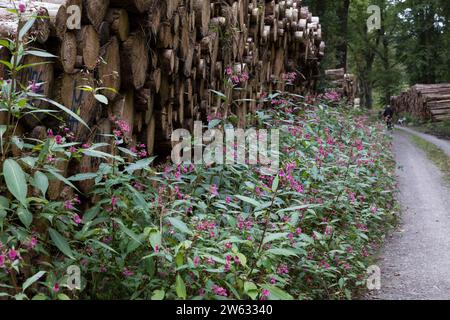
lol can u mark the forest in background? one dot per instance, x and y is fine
(412, 46)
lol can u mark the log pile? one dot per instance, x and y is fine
(424, 101)
(343, 83)
(165, 58)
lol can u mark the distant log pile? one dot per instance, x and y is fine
(344, 83)
(425, 101)
(163, 58)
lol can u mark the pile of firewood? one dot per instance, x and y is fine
(166, 60)
(424, 101)
(343, 83)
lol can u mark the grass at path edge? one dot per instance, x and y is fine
(435, 154)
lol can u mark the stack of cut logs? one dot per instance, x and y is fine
(164, 59)
(344, 83)
(425, 101)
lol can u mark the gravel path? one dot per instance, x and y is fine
(415, 262)
(441, 143)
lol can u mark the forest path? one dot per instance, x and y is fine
(415, 261)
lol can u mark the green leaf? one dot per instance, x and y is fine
(158, 295)
(61, 178)
(4, 205)
(155, 239)
(41, 182)
(32, 280)
(66, 110)
(305, 206)
(101, 98)
(25, 216)
(275, 183)
(7, 64)
(274, 236)
(63, 296)
(220, 94)
(251, 290)
(180, 287)
(179, 225)
(4, 43)
(281, 252)
(130, 233)
(251, 201)
(27, 26)
(104, 245)
(39, 297)
(277, 293)
(3, 129)
(61, 243)
(141, 164)
(83, 176)
(40, 53)
(15, 180)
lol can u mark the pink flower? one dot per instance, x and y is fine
(68, 205)
(56, 288)
(114, 201)
(265, 293)
(228, 199)
(298, 231)
(229, 71)
(213, 190)
(72, 149)
(235, 79)
(127, 273)
(51, 158)
(117, 133)
(22, 8)
(77, 219)
(283, 269)
(58, 139)
(156, 249)
(196, 260)
(50, 133)
(32, 243)
(13, 255)
(124, 126)
(34, 87)
(219, 291)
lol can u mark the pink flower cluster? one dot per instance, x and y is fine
(123, 128)
(236, 78)
(10, 255)
(289, 77)
(140, 150)
(69, 204)
(219, 291)
(245, 223)
(332, 96)
(282, 269)
(287, 177)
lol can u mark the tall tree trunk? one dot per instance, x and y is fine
(342, 47)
